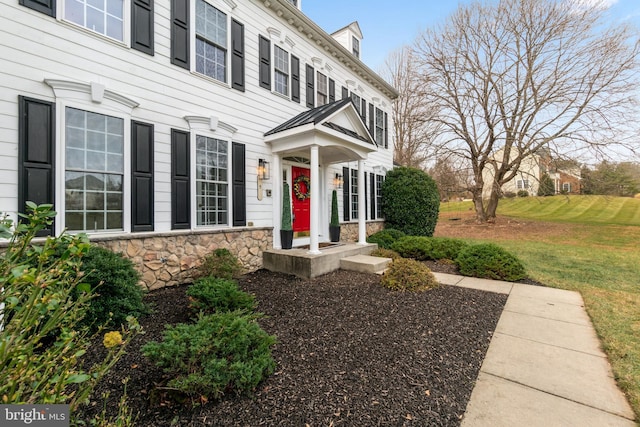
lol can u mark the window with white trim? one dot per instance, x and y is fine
(322, 89)
(211, 41)
(281, 70)
(566, 187)
(94, 171)
(379, 135)
(212, 182)
(106, 17)
(354, 193)
(379, 180)
(357, 101)
(356, 47)
(522, 184)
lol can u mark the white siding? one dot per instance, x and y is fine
(35, 47)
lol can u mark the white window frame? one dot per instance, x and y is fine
(126, 22)
(566, 187)
(225, 7)
(379, 125)
(355, 46)
(209, 127)
(97, 99)
(275, 70)
(523, 184)
(353, 194)
(322, 77)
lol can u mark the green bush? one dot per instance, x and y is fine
(114, 281)
(547, 186)
(385, 253)
(429, 248)
(410, 201)
(523, 193)
(408, 274)
(43, 303)
(221, 263)
(213, 294)
(490, 261)
(416, 247)
(385, 238)
(220, 352)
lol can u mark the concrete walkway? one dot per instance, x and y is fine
(544, 366)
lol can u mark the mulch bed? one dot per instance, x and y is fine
(349, 353)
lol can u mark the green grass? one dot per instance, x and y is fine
(598, 255)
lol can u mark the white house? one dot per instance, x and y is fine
(166, 128)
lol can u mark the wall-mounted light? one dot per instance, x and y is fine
(264, 170)
(338, 181)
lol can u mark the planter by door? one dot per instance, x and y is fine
(334, 233)
(286, 238)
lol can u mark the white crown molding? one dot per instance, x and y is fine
(97, 92)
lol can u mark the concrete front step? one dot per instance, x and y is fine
(364, 263)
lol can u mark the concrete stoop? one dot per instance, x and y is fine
(365, 264)
(301, 263)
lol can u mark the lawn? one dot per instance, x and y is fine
(584, 243)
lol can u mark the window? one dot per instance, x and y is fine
(379, 180)
(357, 101)
(212, 188)
(105, 17)
(94, 172)
(566, 187)
(354, 194)
(356, 47)
(281, 70)
(211, 41)
(379, 135)
(522, 184)
(322, 89)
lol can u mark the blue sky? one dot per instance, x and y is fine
(387, 26)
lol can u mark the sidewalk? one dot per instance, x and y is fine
(544, 366)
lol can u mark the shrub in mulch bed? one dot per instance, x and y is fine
(349, 352)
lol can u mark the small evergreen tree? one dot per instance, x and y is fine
(547, 188)
(410, 201)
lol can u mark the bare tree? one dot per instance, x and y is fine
(512, 78)
(413, 118)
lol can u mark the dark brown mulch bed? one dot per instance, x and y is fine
(349, 353)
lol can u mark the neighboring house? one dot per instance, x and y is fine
(566, 177)
(166, 128)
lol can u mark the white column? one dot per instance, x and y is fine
(314, 247)
(276, 194)
(362, 224)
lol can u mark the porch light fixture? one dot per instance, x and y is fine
(264, 170)
(338, 181)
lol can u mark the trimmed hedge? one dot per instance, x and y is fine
(490, 261)
(410, 201)
(385, 238)
(429, 248)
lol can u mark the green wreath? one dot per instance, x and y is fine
(297, 191)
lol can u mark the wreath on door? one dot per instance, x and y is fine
(302, 187)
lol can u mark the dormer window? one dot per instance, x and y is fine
(356, 47)
(294, 2)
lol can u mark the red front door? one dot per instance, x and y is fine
(300, 196)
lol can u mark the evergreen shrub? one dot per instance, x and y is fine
(221, 263)
(213, 294)
(385, 238)
(490, 261)
(408, 274)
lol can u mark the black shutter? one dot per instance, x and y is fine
(372, 194)
(141, 177)
(239, 185)
(36, 154)
(363, 111)
(366, 202)
(180, 33)
(310, 86)
(345, 92)
(237, 56)
(372, 120)
(295, 78)
(48, 7)
(346, 202)
(386, 131)
(265, 62)
(332, 90)
(142, 26)
(180, 189)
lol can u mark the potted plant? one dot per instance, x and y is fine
(286, 232)
(334, 224)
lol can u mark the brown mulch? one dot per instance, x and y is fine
(349, 353)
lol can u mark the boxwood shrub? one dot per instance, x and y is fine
(490, 261)
(410, 201)
(385, 238)
(429, 248)
(213, 294)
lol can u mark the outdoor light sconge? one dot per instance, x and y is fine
(337, 181)
(263, 175)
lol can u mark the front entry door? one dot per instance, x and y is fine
(301, 201)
